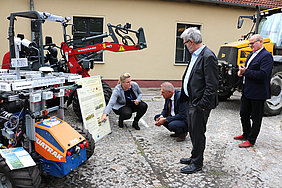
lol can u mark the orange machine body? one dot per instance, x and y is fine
(54, 137)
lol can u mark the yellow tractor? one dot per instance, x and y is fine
(267, 23)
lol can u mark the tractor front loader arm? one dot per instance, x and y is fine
(83, 65)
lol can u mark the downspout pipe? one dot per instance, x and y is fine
(31, 5)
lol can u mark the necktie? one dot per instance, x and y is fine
(170, 106)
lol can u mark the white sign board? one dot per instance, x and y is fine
(19, 62)
(92, 105)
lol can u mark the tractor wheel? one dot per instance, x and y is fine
(107, 91)
(107, 95)
(76, 107)
(91, 142)
(24, 177)
(273, 106)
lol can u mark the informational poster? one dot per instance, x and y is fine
(17, 158)
(92, 105)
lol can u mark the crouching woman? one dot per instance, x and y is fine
(125, 100)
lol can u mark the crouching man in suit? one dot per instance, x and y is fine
(174, 113)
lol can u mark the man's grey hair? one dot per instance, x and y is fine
(192, 33)
(167, 86)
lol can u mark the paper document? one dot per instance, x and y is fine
(17, 158)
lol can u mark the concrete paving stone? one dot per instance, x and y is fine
(149, 158)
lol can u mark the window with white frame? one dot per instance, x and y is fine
(181, 52)
(86, 27)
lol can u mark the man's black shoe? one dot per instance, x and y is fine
(135, 125)
(185, 161)
(120, 124)
(174, 135)
(191, 168)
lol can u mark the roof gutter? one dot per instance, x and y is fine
(230, 3)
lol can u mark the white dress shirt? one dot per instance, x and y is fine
(194, 58)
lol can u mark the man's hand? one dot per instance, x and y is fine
(160, 121)
(159, 118)
(241, 70)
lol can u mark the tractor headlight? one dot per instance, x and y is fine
(230, 69)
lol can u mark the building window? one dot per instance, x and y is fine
(181, 53)
(86, 27)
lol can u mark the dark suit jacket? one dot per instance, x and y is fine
(203, 81)
(258, 75)
(180, 109)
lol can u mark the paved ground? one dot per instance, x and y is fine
(150, 157)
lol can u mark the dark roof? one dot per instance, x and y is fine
(262, 3)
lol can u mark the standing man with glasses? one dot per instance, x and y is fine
(199, 89)
(256, 89)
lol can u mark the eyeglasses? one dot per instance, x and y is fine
(186, 42)
(252, 43)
